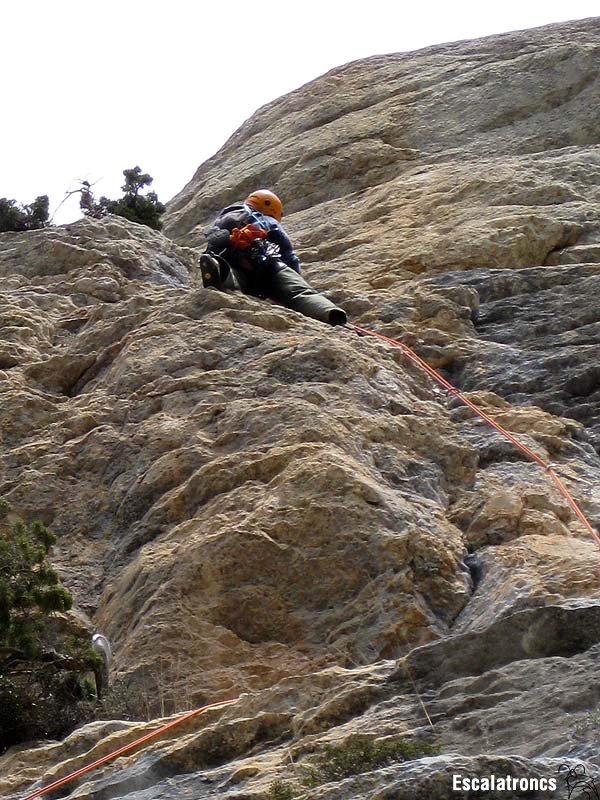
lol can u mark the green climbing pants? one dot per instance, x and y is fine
(284, 285)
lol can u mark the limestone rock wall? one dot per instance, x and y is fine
(251, 501)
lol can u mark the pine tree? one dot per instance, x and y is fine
(29, 587)
(144, 209)
(14, 217)
(42, 675)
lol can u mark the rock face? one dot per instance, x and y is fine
(251, 501)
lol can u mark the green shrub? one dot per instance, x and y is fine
(144, 209)
(587, 727)
(279, 790)
(42, 669)
(29, 587)
(14, 217)
(41, 701)
(122, 700)
(360, 753)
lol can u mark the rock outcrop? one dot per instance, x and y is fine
(248, 501)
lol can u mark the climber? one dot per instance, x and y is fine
(249, 250)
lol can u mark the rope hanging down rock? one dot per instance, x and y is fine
(127, 748)
(423, 365)
(441, 381)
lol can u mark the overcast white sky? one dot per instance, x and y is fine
(89, 89)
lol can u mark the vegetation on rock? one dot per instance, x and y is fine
(144, 209)
(279, 790)
(361, 753)
(43, 688)
(357, 754)
(15, 217)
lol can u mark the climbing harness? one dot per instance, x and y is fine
(423, 365)
(128, 747)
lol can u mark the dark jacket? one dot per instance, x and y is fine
(240, 214)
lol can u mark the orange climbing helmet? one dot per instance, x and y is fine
(266, 202)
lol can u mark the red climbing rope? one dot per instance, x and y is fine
(507, 434)
(126, 748)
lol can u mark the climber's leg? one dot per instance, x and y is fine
(286, 286)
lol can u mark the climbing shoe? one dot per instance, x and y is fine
(211, 271)
(337, 317)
